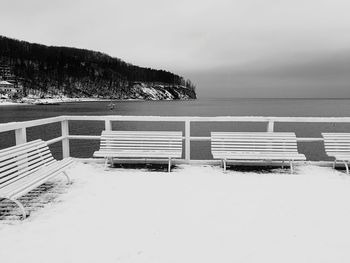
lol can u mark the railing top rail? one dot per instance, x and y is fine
(210, 119)
(25, 124)
(18, 125)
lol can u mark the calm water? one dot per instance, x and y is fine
(208, 107)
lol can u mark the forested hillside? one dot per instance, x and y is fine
(84, 73)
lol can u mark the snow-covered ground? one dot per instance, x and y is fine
(27, 101)
(193, 214)
(9, 103)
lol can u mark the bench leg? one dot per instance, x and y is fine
(66, 175)
(169, 165)
(106, 164)
(224, 164)
(18, 203)
(291, 167)
(334, 163)
(346, 167)
(282, 164)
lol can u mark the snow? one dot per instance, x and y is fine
(193, 214)
(27, 101)
(4, 82)
(8, 103)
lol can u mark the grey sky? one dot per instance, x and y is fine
(238, 48)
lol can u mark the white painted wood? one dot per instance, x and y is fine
(187, 140)
(140, 144)
(25, 167)
(108, 125)
(25, 124)
(21, 135)
(265, 146)
(270, 126)
(14, 149)
(337, 145)
(213, 119)
(108, 119)
(55, 140)
(65, 140)
(84, 137)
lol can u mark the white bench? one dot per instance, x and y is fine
(25, 167)
(337, 145)
(140, 145)
(255, 146)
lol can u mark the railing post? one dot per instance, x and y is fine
(108, 125)
(187, 140)
(65, 141)
(21, 136)
(270, 126)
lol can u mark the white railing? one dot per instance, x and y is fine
(21, 134)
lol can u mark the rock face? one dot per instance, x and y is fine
(44, 71)
(159, 92)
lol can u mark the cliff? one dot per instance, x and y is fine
(56, 71)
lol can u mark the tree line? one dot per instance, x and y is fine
(74, 70)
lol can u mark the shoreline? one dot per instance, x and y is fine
(51, 101)
(48, 101)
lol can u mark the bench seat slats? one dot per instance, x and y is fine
(20, 160)
(23, 178)
(276, 146)
(139, 154)
(136, 139)
(255, 134)
(337, 151)
(18, 174)
(337, 145)
(144, 133)
(256, 151)
(16, 162)
(257, 146)
(25, 167)
(39, 180)
(20, 186)
(140, 144)
(109, 145)
(25, 157)
(23, 170)
(23, 161)
(341, 157)
(28, 145)
(160, 142)
(26, 151)
(142, 148)
(39, 173)
(254, 156)
(247, 141)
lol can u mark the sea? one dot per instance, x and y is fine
(314, 151)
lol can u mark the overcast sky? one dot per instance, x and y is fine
(235, 48)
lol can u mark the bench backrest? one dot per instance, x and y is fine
(18, 161)
(337, 143)
(257, 142)
(155, 141)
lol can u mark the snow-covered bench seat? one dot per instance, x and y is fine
(255, 146)
(140, 145)
(337, 145)
(25, 167)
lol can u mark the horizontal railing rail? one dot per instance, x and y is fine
(21, 135)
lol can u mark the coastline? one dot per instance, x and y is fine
(48, 101)
(54, 101)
